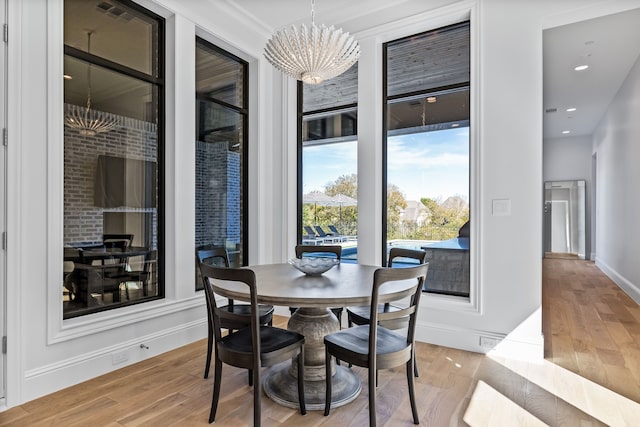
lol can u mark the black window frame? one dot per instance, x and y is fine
(160, 102)
(244, 111)
(385, 102)
(301, 114)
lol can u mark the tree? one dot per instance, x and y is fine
(445, 218)
(396, 203)
(345, 184)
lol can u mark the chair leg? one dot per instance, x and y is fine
(217, 375)
(257, 394)
(209, 351)
(412, 393)
(373, 383)
(301, 401)
(327, 364)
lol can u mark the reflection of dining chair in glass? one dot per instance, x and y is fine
(373, 346)
(143, 275)
(320, 251)
(251, 346)
(242, 312)
(361, 315)
(115, 271)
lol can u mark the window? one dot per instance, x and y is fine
(328, 162)
(221, 152)
(113, 156)
(427, 152)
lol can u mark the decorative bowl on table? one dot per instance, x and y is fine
(314, 266)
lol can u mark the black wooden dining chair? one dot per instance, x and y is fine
(323, 250)
(250, 347)
(375, 347)
(209, 256)
(361, 315)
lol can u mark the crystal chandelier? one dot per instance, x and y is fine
(87, 121)
(312, 54)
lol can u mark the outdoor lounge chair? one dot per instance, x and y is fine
(324, 236)
(310, 238)
(336, 234)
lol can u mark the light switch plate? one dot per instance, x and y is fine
(501, 207)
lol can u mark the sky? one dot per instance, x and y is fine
(431, 164)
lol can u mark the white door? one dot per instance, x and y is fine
(3, 192)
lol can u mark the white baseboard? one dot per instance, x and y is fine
(629, 288)
(63, 374)
(478, 341)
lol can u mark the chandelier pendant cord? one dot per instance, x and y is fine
(89, 122)
(89, 73)
(313, 13)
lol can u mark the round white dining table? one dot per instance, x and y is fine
(283, 285)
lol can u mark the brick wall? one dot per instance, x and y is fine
(83, 221)
(218, 194)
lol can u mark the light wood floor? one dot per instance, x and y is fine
(590, 377)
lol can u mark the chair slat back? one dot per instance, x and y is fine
(211, 276)
(324, 249)
(383, 276)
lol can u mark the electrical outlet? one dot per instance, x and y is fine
(120, 357)
(488, 342)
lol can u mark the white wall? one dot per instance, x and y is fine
(616, 144)
(569, 159)
(46, 354)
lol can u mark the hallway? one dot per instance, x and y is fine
(591, 327)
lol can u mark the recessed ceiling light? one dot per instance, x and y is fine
(431, 99)
(454, 125)
(67, 77)
(581, 67)
(571, 109)
(566, 131)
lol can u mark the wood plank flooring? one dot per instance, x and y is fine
(590, 377)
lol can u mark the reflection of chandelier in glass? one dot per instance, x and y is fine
(87, 121)
(312, 54)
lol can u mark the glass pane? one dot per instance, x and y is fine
(329, 163)
(431, 60)
(218, 123)
(219, 194)
(330, 187)
(110, 188)
(428, 174)
(218, 76)
(332, 93)
(220, 145)
(110, 92)
(333, 125)
(435, 111)
(118, 33)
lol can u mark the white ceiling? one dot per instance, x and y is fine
(610, 45)
(281, 13)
